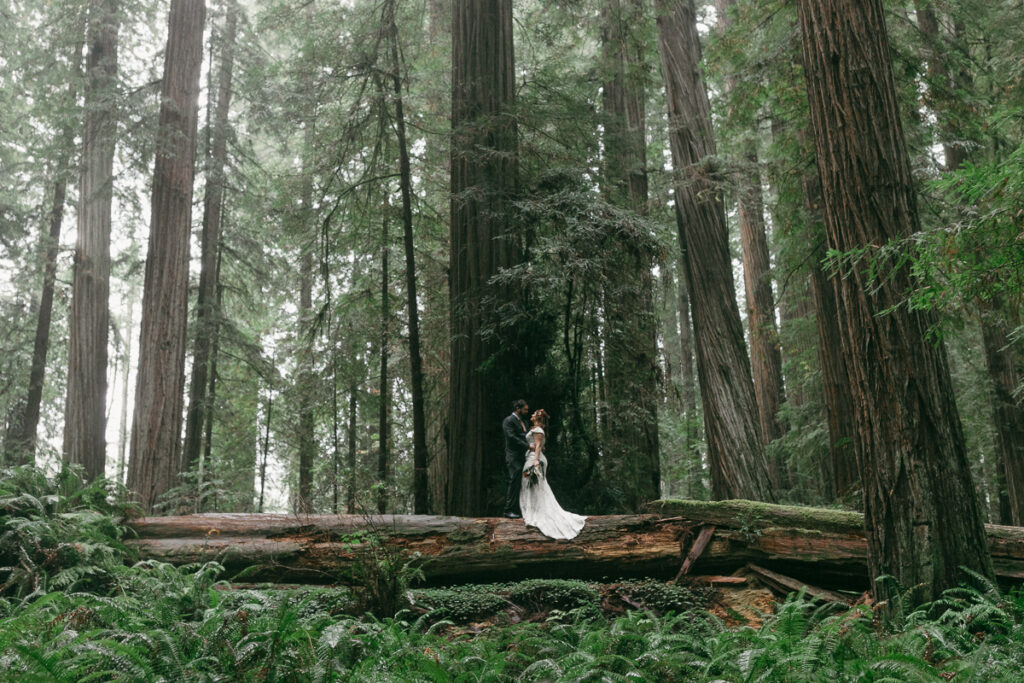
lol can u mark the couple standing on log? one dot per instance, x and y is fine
(529, 496)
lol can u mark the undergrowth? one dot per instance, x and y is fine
(114, 620)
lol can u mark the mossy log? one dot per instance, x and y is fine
(819, 546)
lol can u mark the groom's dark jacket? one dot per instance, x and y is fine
(515, 439)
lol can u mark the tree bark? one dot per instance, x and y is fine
(307, 421)
(739, 468)
(835, 374)
(922, 515)
(631, 457)
(823, 547)
(206, 310)
(20, 442)
(84, 418)
(384, 392)
(1001, 359)
(483, 180)
(156, 432)
(765, 352)
(419, 433)
(350, 437)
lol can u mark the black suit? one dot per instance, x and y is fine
(515, 457)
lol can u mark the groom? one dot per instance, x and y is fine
(514, 427)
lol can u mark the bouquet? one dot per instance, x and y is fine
(532, 475)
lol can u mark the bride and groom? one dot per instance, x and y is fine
(529, 496)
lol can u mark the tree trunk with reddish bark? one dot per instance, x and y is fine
(84, 418)
(739, 468)
(206, 309)
(484, 169)
(922, 514)
(159, 395)
(631, 457)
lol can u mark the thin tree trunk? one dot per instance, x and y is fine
(922, 514)
(739, 468)
(385, 343)
(307, 423)
(159, 395)
(122, 431)
(350, 436)
(483, 180)
(266, 450)
(206, 312)
(211, 391)
(419, 433)
(20, 442)
(84, 419)
(631, 456)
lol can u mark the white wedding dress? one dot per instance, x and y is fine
(540, 509)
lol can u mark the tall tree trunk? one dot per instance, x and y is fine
(206, 311)
(265, 455)
(84, 418)
(765, 353)
(159, 393)
(483, 179)
(419, 430)
(211, 390)
(631, 457)
(20, 442)
(945, 86)
(739, 468)
(350, 437)
(836, 384)
(922, 514)
(122, 431)
(1002, 361)
(686, 369)
(385, 343)
(307, 422)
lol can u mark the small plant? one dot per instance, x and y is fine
(383, 574)
(462, 604)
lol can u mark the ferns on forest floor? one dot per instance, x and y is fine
(73, 610)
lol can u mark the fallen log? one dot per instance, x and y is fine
(825, 548)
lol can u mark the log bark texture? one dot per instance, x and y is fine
(825, 548)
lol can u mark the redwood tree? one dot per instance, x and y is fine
(483, 178)
(922, 515)
(419, 433)
(739, 468)
(631, 455)
(159, 393)
(84, 417)
(213, 202)
(765, 353)
(20, 443)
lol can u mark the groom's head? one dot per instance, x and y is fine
(520, 408)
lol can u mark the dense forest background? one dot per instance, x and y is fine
(401, 216)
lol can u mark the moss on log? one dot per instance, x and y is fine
(820, 546)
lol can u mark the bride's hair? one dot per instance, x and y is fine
(541, 417)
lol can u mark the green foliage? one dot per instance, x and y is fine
(58, 533)
(664, 598)
(383, 573)
(462, 604)
(549, 594)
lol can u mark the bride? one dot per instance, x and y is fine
(540, 509)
